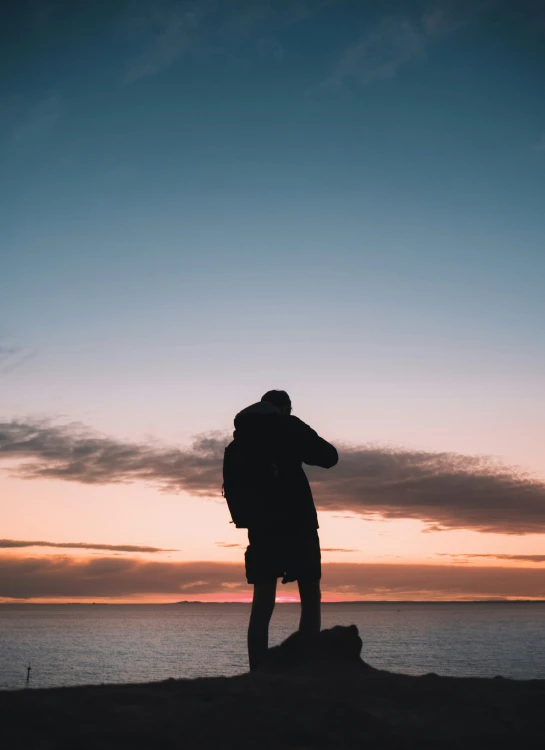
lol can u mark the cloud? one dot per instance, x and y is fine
(13, 357)
(395, 41)
(17, 543)
(74, 453)
(227, 544)
(163, 32)
(444, 490)
(338, 549)
(64, 576)
(521, 558)
(60, 575)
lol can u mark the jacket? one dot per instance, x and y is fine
(289, 443)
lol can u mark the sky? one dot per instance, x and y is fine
(201, 201)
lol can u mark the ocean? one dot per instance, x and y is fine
(77, 644)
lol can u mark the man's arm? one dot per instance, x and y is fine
(313, 449)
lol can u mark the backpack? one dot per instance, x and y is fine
(250, 483)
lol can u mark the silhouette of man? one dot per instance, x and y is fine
(283, 535)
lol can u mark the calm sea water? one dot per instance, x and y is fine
(86, 644)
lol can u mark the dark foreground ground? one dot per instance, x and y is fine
(326, 698)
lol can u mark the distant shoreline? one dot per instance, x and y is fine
(247, 604)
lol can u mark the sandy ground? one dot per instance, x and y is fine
(326, 698)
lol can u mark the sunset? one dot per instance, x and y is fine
(93, 516)
(311, 233)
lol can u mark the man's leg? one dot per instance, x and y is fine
(311, 596)
(258, 629)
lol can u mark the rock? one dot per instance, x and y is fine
(341, 645)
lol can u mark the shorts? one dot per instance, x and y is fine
(291, 556)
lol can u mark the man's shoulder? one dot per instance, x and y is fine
(296, 432)
(298, 426)
(295, 421)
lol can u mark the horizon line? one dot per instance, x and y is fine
(281, 603)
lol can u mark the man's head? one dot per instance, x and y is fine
(279, 399)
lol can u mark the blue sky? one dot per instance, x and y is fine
(201, 201)
(201, 198)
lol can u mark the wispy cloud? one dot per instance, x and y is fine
(338, 549)
(163, 32)
(395, 41)
(13, 357)
(444, 490)
(518, 558)
(19, 543)
(64, 576)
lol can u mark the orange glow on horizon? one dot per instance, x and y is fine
(212, 599)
